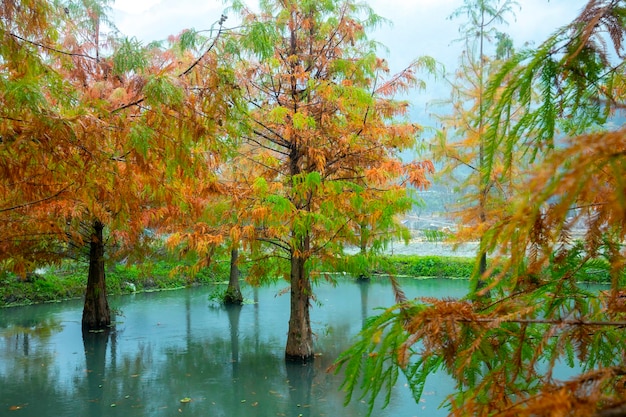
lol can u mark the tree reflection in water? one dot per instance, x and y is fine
(95, 344)
(170, 346)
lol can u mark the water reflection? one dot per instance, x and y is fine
(364, 286)
(171, 346)
(95, 346)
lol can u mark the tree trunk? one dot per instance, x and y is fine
(482, 266)
(484, 180)
(96, 313)
(299, 337)
(233, 293)
(364, 238)
(365, 273)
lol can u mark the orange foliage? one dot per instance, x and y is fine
(96, 138)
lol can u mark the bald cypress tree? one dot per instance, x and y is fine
(326, 133)
(100, 138)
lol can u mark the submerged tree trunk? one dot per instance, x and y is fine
(299, 337)
(96, 313)
(233, 293)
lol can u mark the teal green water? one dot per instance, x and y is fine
(175, 345)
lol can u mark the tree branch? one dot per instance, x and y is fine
(219, 32)
(49, 48)
(274, 242)
(568, 322)
(618, 411)
(187, 71)
(19, 206)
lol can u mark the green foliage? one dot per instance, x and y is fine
(364, 265)
(372, 365)
(130, 56)
(482, 15)
(506, 344)
(480, 351)
(69, 280)
(140, 139)
(278, 114)
(568, 105)
(222, 295)
(218, 295)
(260, 186)
(160, 89)
(24, 92)
(432, 266)
(189, 39)
(436, 235)
(262, 39)
(38, 288)
(301, 121)
(280, 204)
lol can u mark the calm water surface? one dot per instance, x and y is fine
(168, 346)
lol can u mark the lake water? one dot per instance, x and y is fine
(176, 345)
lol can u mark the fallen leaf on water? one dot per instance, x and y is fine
(185, 400)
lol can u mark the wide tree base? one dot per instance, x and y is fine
(299, 358)
(96, 312)
(233, 297)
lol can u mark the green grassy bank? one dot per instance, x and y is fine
(69, 281)
(432, 266)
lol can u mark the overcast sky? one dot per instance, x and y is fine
(420, 27)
